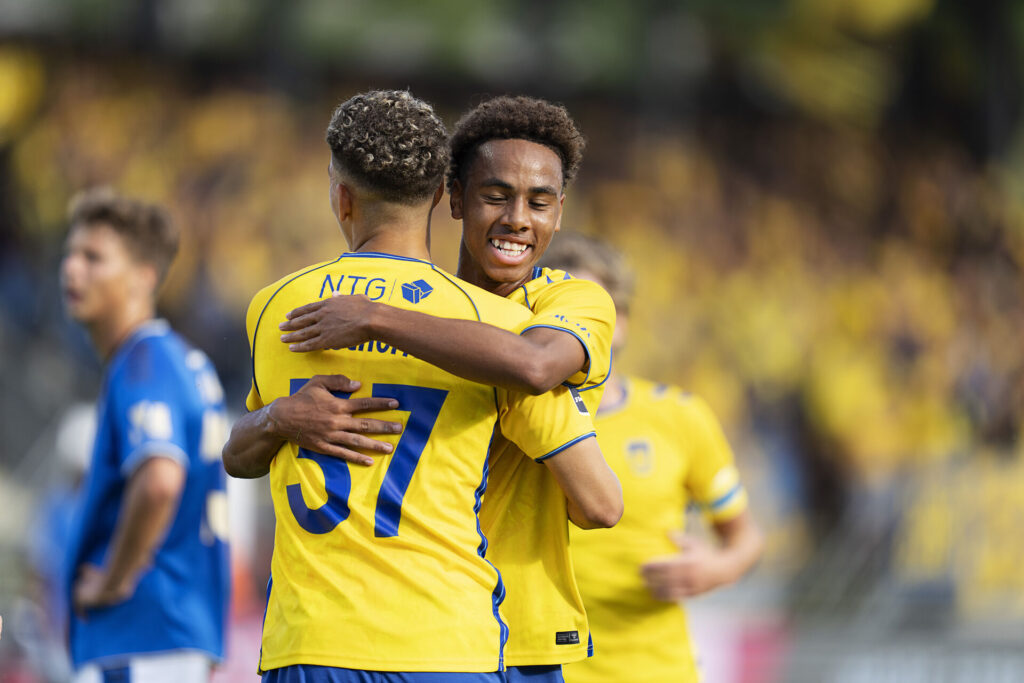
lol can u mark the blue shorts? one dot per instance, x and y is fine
(309, 673)
(549, 673)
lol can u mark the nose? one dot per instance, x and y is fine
(517, 215)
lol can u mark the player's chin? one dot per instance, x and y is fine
(509, 273)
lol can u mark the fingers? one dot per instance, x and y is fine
(301, 311)
(335, 383)
(363, 405)
(300, 334)
(343, 453)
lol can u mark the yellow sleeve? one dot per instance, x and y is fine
(252, 320)
(544, 425)
(583, 309)
(712, 478)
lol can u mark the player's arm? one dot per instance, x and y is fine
(534, 362)
(701, 566)
(556, 429)
(714, 482)
(591, 488)
(314, 419)
(150, 503)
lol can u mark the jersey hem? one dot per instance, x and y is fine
(392, 665)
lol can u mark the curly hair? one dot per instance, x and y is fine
(147, 229)
(390, 142)
(575, 252)
(516, 118)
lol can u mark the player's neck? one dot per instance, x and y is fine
(107, 335)
(407, 236)
(409, 245)
(470, 271)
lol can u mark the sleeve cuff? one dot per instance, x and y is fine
(564, 446)
(153, 449)
(586, 352)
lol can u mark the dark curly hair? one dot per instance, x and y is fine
(390, 142)
(146, 229)
(516, 118)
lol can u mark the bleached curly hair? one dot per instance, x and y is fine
(391, 143)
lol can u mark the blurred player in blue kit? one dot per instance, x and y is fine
(147, 569)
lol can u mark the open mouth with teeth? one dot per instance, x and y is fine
(509, 252)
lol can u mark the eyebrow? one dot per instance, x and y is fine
(497, 182)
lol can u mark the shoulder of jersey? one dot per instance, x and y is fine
(545, 278)
(266, 292)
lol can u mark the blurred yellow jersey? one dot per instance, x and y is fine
(382, 567)
(524, 513)
(668, 450)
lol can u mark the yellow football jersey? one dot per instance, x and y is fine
(524, 512)
(382, 567)
(667, 449)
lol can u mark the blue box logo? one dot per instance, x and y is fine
(417, 291)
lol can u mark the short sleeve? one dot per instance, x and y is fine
(545, 425)
(150, 409)
(713, 480)
(583, 309)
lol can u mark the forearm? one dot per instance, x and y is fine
(473, 350)
(150, 504)
(253, 443)
(592, 491)
(740, 547)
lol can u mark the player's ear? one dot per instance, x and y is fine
(437, 195)
(561, 204)
(455, 199)
(345, 201)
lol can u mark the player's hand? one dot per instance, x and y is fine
(317, 420)
(334, 323)
(91, 590)
(695, 569)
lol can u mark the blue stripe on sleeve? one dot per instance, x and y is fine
(564, 446)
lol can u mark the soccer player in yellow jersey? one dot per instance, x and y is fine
(668, 450)
(512, 158)
(378, 572)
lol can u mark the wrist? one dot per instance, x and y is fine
(272, 423)
(376, 322)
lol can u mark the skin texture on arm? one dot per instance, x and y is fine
(533, 363)
(700, 566)
(591, 488)
(314, 419)
(150, 503)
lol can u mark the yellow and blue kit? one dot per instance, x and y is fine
(668, 450)
(382, 568)
(524, 512)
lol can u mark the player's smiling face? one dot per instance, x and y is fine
(510, 207)
(97, 273)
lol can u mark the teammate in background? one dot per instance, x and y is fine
(381, 569)
(147, 563)
(668, 450)
(512, 158)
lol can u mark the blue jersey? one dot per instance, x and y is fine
(160, 397)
